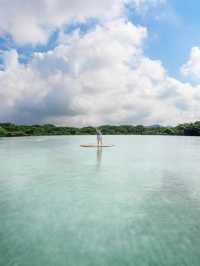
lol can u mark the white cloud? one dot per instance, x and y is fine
(10, 59)
(32, 22)
(100, 77)
(192, 67)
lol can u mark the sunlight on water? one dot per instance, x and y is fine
(137, 203)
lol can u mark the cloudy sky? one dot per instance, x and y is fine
(91, 62)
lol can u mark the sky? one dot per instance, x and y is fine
(81, 63)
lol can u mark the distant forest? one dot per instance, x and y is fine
(12, 130)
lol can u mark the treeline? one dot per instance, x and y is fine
(12, 130)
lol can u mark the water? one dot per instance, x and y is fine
(137, 203)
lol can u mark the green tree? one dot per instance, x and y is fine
(3, 132)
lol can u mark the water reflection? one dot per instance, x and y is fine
(99, 157)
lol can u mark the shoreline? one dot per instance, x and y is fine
(13, 130)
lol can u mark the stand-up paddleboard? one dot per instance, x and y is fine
(96, 146)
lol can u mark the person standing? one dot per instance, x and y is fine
(99, 137)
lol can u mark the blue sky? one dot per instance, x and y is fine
(60, 60)
(173, 29)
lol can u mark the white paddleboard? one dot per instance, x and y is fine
(95, 146)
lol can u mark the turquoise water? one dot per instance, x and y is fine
(137, 203)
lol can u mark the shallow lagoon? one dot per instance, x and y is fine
(137, 203)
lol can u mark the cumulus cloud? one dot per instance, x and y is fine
(32, 22)
(99, 77)
(192, 67)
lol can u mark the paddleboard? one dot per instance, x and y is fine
(95, 146)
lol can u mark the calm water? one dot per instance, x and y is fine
(135, 204)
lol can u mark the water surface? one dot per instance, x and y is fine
(137, 203)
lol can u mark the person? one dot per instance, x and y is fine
(99, 137)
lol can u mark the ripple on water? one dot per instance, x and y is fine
(136, 204)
